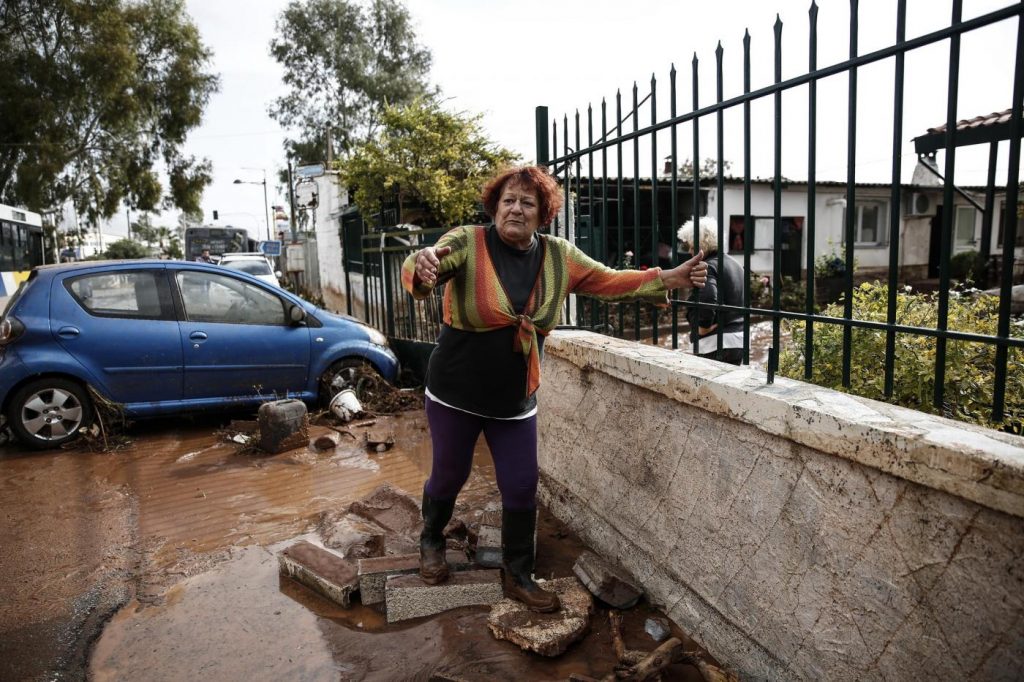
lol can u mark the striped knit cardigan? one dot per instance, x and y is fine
(475, 300)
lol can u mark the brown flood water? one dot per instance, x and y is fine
(158, 562)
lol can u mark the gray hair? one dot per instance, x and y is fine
(708, 234)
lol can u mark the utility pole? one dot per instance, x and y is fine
(291, 200)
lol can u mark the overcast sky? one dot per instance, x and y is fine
(502, 59)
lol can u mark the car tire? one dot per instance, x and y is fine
(353, 375)
(48, 413)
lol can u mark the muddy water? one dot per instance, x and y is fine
(174, 541)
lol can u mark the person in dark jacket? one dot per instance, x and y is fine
(705, 322)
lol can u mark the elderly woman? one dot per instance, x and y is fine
(705, 322)
(504, 288)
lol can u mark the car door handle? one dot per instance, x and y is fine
(68, 332)
(197, 336)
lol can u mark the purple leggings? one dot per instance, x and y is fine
(513, 444)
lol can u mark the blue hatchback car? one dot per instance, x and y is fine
(164, 337)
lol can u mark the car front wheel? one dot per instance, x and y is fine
(49, 412)
(351, 373)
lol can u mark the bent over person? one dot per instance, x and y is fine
(504, 289)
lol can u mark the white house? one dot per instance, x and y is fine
(919, 224)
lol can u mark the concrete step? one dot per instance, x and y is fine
(408, 597)
(321, 570)
(374, 572)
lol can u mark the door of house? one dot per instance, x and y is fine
(792, 241)
(935, 244)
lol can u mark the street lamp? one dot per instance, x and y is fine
(266, 204)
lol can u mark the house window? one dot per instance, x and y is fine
(963, 229)
(1004, 218)
(869, 222)
(764, 233)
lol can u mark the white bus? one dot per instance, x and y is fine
(21, 246)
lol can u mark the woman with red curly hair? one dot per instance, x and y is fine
(505, 284)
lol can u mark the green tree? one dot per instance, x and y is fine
(970, 366)
(343, 61)
(96, 98)
(708, 170)
(125, 249)
(425, 154)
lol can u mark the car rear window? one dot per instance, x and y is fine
(252, 267)
(122, 294)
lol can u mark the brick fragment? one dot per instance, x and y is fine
(374, 572)
(409, 597)
(321, 570)
(607, 582)
(548, 634)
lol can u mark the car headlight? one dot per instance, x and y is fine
(376, 338)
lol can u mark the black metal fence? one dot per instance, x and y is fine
(600, 199)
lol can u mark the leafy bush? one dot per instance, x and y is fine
(970, 366)
(967, 266)
(793, 297)
(125, 249)
(830, 265)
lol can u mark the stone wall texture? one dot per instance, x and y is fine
(795, 532)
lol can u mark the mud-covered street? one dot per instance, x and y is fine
(159, 562)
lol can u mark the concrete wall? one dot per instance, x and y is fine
(796, 532)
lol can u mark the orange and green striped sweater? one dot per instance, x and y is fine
(475, 300)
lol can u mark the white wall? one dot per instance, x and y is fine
(797, 533)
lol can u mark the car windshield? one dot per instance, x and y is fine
(252, 267)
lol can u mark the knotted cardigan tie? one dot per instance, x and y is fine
(475, 300)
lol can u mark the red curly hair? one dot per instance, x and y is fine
(535, 178)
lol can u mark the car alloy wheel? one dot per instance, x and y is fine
(49, 412)
(351, 373)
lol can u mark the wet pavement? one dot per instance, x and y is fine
(158, 562)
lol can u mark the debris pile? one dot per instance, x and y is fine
(371, 549)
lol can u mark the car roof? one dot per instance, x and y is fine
(57, 269)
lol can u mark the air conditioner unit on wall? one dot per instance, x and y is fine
(919, 203)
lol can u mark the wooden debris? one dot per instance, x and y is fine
(639, 665)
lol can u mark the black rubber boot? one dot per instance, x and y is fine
(517, 531)
(436, 515)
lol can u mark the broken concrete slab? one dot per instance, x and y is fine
(321, 570)
(283, 425)
(548, 634)
(407, 596)
(374, 572)
(390, 508)
(609, 583)
(352, 535)
(488, 546)
(397, 512)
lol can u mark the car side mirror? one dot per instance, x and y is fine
(296, 314)
(278, 274)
